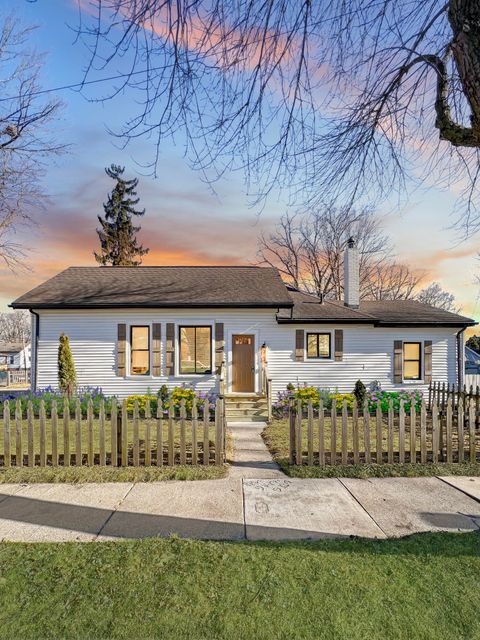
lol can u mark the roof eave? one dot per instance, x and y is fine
(231, 305)
(376, 323)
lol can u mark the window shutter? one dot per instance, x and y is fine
(219, 345)
(156, 348)
(121, 350)
(299, 344)
(397, 361)
(170, 350)
(427, 361)
(338, 345)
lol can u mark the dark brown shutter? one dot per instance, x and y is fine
(397, 361)
(156, 348)
(121, 350)
(170, 350)
(427, 361)
(219, 345)
(338, 345)
(299, 344)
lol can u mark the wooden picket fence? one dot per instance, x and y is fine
(119, 439)
(440, 393)
(359, 436)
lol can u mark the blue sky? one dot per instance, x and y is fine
(185, 222)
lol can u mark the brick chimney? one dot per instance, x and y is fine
(351, 275)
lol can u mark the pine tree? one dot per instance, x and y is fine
(67, 378)
(117, 233)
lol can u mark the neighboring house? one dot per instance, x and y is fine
(472, 361)
(15, 355)
(132, 329)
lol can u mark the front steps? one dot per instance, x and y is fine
(245, 407)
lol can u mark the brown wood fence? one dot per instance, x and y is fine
(439, 393)
(120, 439)
(359, 436)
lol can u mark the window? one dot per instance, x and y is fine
(318, 345)
(195, 349)
(140, 351)
(412, 360)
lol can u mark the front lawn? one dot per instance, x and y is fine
(277, 438)
(99, 473)
(423, 587)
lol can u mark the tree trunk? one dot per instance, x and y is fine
(464, 18)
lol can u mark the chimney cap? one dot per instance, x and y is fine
(351, 242)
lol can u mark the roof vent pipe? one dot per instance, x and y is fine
(351, 275)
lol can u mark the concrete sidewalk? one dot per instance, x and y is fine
(277, 508)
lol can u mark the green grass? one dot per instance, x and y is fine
(277, 438)
(423, 588)
(110, 474)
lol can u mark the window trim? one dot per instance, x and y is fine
(318, 333)
(148, 350)
(420, 360)
(194, 373)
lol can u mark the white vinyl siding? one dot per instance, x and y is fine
(367, 351)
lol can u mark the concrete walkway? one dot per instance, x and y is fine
(251, 458)
(277, 508)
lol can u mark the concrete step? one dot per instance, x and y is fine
(240, 413)
(246, 404)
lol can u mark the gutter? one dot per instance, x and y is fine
(35, 359)
(460, 357)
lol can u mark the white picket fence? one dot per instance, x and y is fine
(472, 379)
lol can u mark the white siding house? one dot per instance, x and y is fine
(368, 351)
(134, 329)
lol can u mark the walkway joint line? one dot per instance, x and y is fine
(363, 507)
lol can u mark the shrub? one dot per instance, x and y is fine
(338, 398)
(359, 392)
(383, 398)
(142, 402)
(305, 393)
(67, 378)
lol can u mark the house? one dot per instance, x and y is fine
(15, 355)
(133, 329)
(472, 361)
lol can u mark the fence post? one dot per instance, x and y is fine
(6, 433)
(298, 440)
(321, 434)
(435, 433)
(401, 433)
(333, 433)
(291, 419)
(310, 433)
(118, 452)
(379, 448)
(471, 428)
(461, 432)
(366, 432)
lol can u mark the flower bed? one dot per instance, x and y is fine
(306, 393)
(96, 395)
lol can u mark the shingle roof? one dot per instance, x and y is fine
(309, 309)
(110, 287)
(103, 287)
(11, 347)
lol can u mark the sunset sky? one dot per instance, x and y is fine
(185, 223)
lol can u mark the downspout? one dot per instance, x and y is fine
(460, 358)
(35, 350)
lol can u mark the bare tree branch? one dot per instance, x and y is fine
(25, 139)
(343, 100)
(308, 252)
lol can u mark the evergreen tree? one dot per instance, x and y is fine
(67, 378)
(117, 233)
(474, 343)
